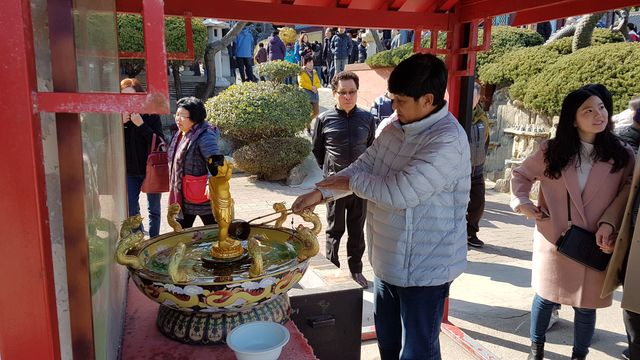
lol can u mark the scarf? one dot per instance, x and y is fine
(177, 154)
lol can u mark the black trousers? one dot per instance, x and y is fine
(476, 205)
(246, 69)
(188, 219)
(356, 213)
(632, 325)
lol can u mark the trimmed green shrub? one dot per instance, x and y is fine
(277, 71)
(272, 159)
(506, 38)
(503, 39)
(517, 64)
(250, 111)
(561, 46)
(600, 36)
(391, 58)
(616, 65)
(605, 36)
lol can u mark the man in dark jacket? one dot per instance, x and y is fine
(478, 144)
(276, 48)
(341, 45)
(341, 135)
(327, 56)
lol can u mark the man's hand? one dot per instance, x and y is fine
(605, 239)
(335, 183)
(307, 201)
(531, 212)
(137, 119)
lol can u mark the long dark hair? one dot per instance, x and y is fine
(565, 147)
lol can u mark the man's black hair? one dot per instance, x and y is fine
(260, 45)
(419, 75)
(195, 106)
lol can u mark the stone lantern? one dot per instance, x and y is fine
(223, 70)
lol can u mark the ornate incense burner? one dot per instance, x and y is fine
(212, 278)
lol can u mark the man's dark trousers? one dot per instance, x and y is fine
(246, 69)
(476, 204)
(632, 325)
(356, 213)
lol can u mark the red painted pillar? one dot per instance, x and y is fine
(29, 325)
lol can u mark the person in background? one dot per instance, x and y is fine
(138, 135)
(317, 59)
(362, 51)
(631, 134)
(341, 45)
(244, 55)
(303, 47)
(276, 48)
(479, 145)
(341, 135)
(327, 56)
(570, 167)
(415, 177)
(381, 108)
(261, 55)
(633, 32)
(353, 56)
(309, 81)
(190, 148)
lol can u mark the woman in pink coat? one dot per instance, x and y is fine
(588, 164)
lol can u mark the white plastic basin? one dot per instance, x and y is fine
(259, 340)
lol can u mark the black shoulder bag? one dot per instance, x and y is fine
(580, 245)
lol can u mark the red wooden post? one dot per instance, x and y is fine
(29, 325)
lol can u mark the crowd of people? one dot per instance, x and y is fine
(409, 172)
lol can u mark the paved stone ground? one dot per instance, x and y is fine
(490, 301)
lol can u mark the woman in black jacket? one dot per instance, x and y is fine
(138, 134)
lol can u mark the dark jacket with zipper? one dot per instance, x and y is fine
(137, 142)
(340, 138)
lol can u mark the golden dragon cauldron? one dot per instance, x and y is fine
(207, 279)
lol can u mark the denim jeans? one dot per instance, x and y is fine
(584, 324)
(408, 320)
(134, 183)
(339, 64)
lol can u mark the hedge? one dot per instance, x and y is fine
(254, 111)
(616, 65)
(272, 159)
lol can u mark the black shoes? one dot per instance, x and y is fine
(474, 241)
(537, 352)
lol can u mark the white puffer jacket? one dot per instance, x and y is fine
(417, 180)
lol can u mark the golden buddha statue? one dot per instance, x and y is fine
(222, 206)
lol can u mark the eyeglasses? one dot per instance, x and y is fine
(182, 116)
(345, 93)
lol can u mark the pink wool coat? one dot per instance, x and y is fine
(554, 276)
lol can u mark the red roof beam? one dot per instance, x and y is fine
(417, 5)
(548, 9)
(369, 4)
(297, 14)
(566, 10)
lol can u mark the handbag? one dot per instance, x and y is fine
(193, 188)
(580, 245)
(156, 179)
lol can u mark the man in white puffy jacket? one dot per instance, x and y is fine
(416, 177)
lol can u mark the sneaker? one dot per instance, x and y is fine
(360, 279)
(555, 317)
(625, 354)
(474, 241)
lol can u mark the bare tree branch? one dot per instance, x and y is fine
(210, 56)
